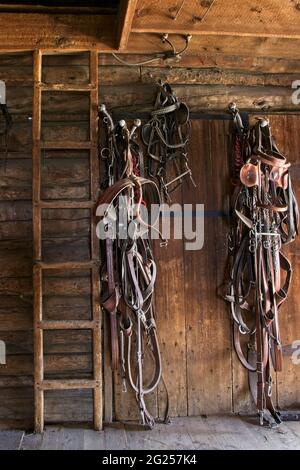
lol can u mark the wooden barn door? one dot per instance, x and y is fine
(65, 266)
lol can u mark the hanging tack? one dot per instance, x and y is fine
(136, 124)
(263, 122)
(232, 106)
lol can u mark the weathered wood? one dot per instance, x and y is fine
(203, 271)
(55, 33)
(11, 440)
(67, 384)
(65, 87)
(171, 321)
(68, 324)
(95, 285)
(66, 249)
(66, 73)
(205, 98)
(68, 406)
(218, 44)
(235, 19)
(38, 351)
(72, 145)
(286, 132)
(212, 60)
(52, 133)
(202, 76)
(125, 18)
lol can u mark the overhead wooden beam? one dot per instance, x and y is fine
(56, 10)
(56, 33)
(125, 18)
(29, 31)
(273, 19)
(239, 46)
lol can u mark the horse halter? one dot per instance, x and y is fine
(264, 218)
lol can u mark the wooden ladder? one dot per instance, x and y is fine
(40, 384)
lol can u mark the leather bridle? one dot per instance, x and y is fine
(166, 136)
(128, 271)
(264, 218)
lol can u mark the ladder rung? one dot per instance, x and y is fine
(68, 324)
(67, 265)
(66, 87)
(65, 204)
(66, 145)
(67, 384)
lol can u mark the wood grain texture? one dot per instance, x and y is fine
(125, 18)
(256, 83)
(56, 32)
(273, 18)
(207, 322)
(286, 132)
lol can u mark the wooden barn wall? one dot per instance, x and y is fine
(200, 367)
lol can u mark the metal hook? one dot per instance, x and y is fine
(173, 52)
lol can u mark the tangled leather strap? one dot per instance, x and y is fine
(166, 136)
(265, 217)
(128, 266)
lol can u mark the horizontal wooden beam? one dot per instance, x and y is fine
(223, 45)
(273, 19)
(63, 204)
(68, 325)
(66, 145)
(65, 87)
(73, 10)
(28, 31)
(69, 33)
(212, 60)
(69, 384)
(67, 265)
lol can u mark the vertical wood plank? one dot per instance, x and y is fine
(207, 321)
(94, 185)
(170, 315)
(36, 153)
(37, 273)
(38, 350)
(286, 130)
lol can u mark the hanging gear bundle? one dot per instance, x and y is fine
(265, 217)
(166, 136)
(128, 268)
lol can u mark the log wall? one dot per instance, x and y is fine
(200, 368)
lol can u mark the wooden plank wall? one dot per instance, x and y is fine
(200, 368)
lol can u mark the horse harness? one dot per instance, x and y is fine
(128, 269)
(265, 218)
